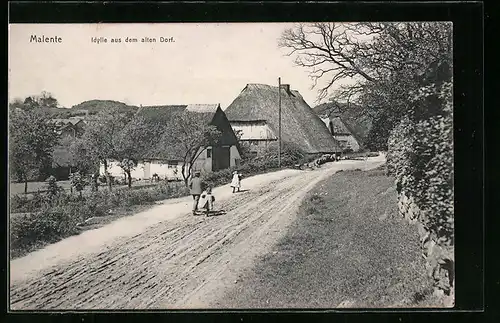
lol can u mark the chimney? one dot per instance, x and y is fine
(286, 87)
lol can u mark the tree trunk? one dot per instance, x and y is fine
(129, 179)
(96, 183)
(25, 185)
(183, 170)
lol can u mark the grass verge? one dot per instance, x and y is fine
(347, 248)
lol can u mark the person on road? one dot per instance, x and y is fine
(195, 186)
(236, 181)
(207, 201)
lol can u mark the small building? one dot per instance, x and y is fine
(341, 132)
(70, 127)
(254, 115)
(223, 155)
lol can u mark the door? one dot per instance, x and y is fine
(147, 170)
(220, 158)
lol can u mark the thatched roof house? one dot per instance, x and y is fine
(224, 154)
(342, 133)
(257, 105)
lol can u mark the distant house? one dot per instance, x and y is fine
(254, 114)
(70, 127)
(341, 132)
(212, 158)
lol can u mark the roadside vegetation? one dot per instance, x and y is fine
(58, 211)
(347, 248)
(51, 216)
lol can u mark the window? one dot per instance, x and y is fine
(209, 152)
(172, 164)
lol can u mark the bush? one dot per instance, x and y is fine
(50, 222)
(23, 204)
(53, 189)
(47, 226)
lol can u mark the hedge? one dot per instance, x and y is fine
(420, 156)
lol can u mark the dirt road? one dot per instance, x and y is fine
(164, 257)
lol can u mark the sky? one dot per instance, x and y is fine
(206, 63)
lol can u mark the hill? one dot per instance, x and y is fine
(354, 117)
(94, 106)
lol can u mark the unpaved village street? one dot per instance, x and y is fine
(165, 257)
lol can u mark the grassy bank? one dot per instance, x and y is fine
(43, 219)
(347, 248)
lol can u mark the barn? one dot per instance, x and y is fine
(224, 155)
(341, 132)
(254, 115)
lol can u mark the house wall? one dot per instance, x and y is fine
(203, 163)
(256, 146)
(145, 170)
(348, 142)
(253, 130)
(235, 156)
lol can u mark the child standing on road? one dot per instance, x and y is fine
(236, 181)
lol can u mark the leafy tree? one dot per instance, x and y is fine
(78, 182)
(133, 143)
(97, 144)
(31, 141)
(44, 100)
(187, 135)
(53, 189)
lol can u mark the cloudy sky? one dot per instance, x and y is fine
(207, 63)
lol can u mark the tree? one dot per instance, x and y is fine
(187, 135)
(78, 181)
(384, 61)
(133, 143)
(43, 100)
(97, 144)
(31, 142)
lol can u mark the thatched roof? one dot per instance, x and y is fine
(165, 113)
(353, 116)
(340, 127)
(300, 125)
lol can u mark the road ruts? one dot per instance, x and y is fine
(186, 262)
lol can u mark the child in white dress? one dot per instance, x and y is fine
(236, 181)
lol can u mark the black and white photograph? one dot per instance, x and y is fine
(253, 165)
